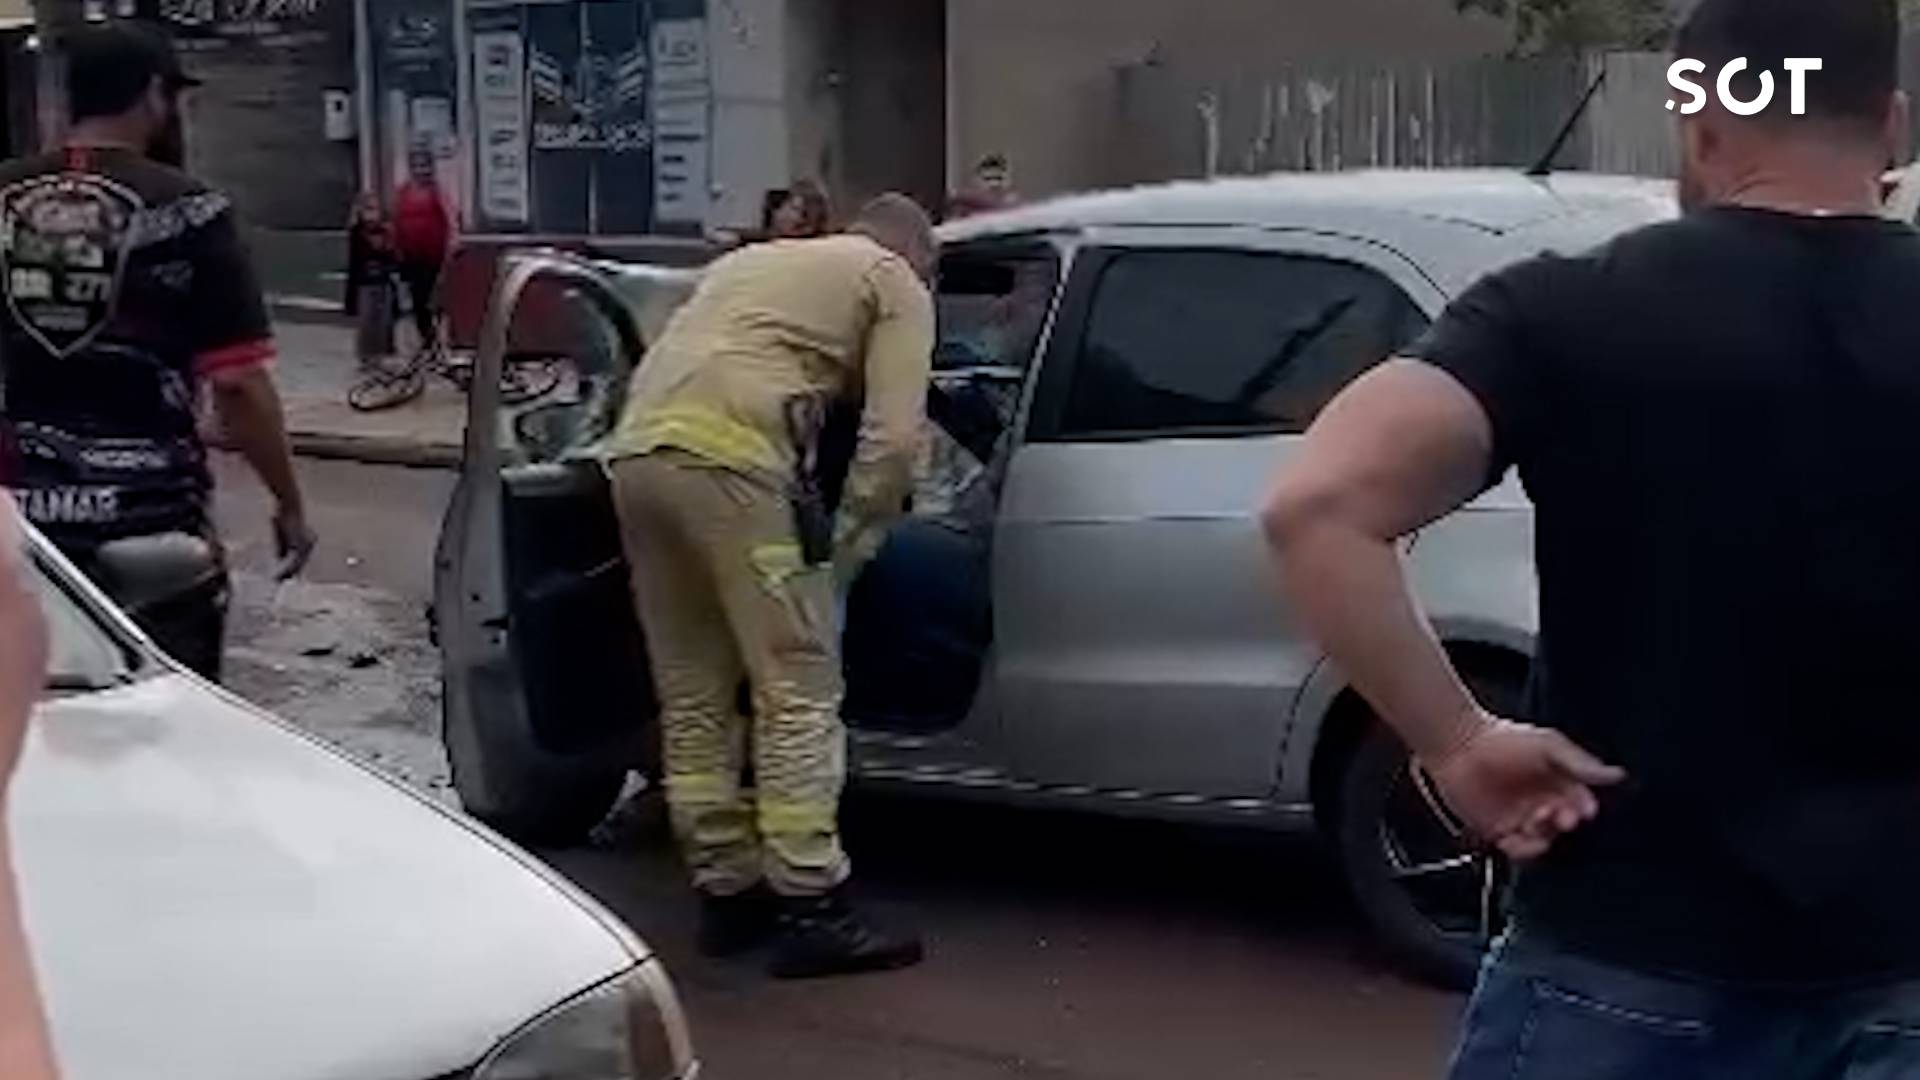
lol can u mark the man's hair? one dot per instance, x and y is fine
(896, 222)
(1857, 41)
(110, 68)
(993, 162)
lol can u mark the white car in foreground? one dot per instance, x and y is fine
(210, 894)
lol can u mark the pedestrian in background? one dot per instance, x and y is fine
(423, 238)
(1719, 812)
(371, 266)
(800, 212)
(26, 1052)
(737, 554)
(991, 188)
(128, 291)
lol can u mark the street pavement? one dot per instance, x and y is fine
(1061, 947)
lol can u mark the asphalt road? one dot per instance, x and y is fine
(1062, 947)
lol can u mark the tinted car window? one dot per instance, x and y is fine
(1228, 341)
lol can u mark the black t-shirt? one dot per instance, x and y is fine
(1718, 420)
(124, 282)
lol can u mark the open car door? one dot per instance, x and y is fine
(546, 696)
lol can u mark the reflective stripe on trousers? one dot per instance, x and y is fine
(723, 595)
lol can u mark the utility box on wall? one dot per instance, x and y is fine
(337, 107)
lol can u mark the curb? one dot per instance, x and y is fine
(365, 450)
(309, 309)
(375, 450)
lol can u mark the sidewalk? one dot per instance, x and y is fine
(316, 367)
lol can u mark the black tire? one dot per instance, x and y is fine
(1434, 923)
(528, 795)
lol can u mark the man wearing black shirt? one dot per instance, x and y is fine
(1718, 421)
(127, 289)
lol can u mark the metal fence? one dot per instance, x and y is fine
(1170, 122)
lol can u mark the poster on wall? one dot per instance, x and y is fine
(600, 104)
(201, 24)
(573, 103)
(500, 122)
(682, 121)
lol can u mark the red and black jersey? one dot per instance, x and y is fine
(125, 281)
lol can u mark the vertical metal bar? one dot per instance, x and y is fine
(463, 122)
(1393, 118)
(593, 156)
(364, 93)
(1432, 131)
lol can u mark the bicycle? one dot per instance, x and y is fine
(524, 377)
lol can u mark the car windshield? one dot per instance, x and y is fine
(82, 654)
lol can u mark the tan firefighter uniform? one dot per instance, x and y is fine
(701, 464)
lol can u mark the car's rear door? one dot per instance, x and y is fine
(1141, 644)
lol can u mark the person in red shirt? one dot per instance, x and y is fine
(422, 236)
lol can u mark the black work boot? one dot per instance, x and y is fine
(731, 925)
(823, 935)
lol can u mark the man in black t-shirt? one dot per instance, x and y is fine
(1718, 421)
(127, 289)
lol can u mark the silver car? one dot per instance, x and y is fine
(210, 895)
(1080, 610)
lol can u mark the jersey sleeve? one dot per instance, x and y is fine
(1483, 340)
(228, 321)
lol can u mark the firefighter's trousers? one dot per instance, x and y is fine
(723, 595)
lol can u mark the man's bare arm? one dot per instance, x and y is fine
(26, 1053)
(251, 416)
(1400, 448)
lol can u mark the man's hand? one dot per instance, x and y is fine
(1520, 787)
(293, 542)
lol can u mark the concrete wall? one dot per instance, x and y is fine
(1045, 81)
(257, 130)
(747, 42)
(849, 93)
(891, 78)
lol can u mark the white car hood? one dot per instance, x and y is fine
(209, 895)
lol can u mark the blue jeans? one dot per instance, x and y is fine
(1544, 1014)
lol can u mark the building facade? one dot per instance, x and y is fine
(1090, 93)
(671, 117)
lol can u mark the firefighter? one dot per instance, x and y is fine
(737, 554)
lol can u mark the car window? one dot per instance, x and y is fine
(993, 305)
(1203, 342)
(559, 407)
(81, 653)
(993, 302)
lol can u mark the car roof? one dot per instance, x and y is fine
(1454, 225)
(1497, 201)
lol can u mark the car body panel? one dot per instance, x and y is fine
(1114, 672)
(209, 894)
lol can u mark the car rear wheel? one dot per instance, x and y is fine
(1434, 897)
